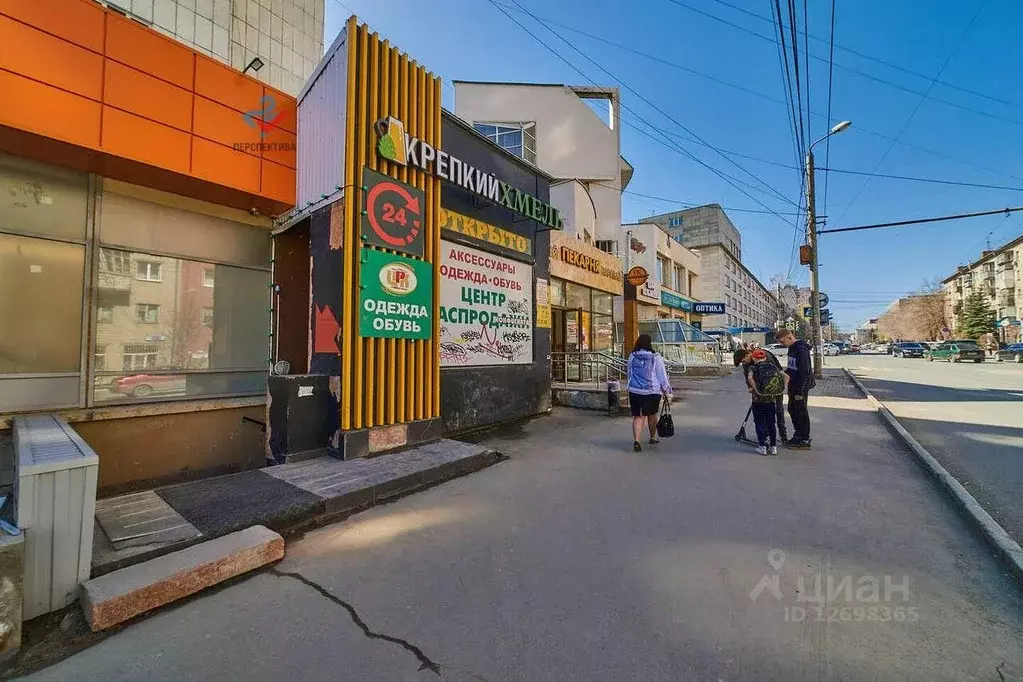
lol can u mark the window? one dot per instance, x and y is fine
(114, 262)
(557, 292)
(207, 277)
(104, 315)
(140, 356)
(517, 138)
(100, 358)
(664, 270)
(675, 221)
(680, 279)
(148, 271)
(602, 302)
(607, 246)
(148, 313)
(206, 316)
(577, 296)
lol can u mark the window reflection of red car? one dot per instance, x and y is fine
(142, 385)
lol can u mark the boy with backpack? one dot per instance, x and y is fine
(767, 382)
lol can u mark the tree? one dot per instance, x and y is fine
(978, 318)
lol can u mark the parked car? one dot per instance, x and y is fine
(830, 349)
(145, 385)
(909, 349)
(957, 351)
(778, 350)
(1012, 353)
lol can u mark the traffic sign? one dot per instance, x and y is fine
(823, 298)
(392, 213)
(808, 311)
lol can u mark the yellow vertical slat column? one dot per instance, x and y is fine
(430, 223)
(382, 50)
(421, 370)
(348, 258)
(392, 362)
(438, 143)
(372, 88)
(360, 160)
(412, 381)
(403, 176)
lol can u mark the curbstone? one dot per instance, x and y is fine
(992, 531)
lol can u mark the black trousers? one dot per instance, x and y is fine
(800, 415)
(779, 414)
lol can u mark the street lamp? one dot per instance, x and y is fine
(811, 236)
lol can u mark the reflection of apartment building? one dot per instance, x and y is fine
(558, 128)
(286, 35)
(708, 231)
(997, 276)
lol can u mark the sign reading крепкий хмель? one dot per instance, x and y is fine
(449, 167)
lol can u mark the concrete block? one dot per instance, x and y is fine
(128, 592)
(12, 568)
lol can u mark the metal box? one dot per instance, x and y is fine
(55, 502)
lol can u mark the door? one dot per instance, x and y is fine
(558, 344)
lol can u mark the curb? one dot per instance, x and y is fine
(993, 532)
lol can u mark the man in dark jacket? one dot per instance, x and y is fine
(800, 371)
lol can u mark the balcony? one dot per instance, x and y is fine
(1007, 311)
(1006, 279)
(114, 281)
(1005, 262)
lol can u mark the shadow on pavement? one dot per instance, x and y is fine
(908, 391)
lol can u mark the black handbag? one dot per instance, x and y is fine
(666, 425)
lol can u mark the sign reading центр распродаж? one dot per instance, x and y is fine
(486, 308)
(395, 296)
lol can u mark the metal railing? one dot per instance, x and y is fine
(589, 369)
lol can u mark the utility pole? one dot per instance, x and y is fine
(815, 292)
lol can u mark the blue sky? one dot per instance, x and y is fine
(946, 40)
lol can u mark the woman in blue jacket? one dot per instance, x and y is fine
(648, 381)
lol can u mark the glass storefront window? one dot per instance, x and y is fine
(577, 296)
(165, 326)
(603, 332)
(603, 302)
(42, 199)
(557, 292)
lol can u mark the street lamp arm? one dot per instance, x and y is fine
(839, 127)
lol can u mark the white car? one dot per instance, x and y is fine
(778, 350)
(830, 349)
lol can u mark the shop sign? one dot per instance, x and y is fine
(395, 296)
(448, 167)
(543, 304)
(637, 276)
(485, 232)
(584, 264)
(486, 308)
(675, 301)
(392, 213)
(709, 308)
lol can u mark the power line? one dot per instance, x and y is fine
(936, 181)
(958, 216)
(755, 93)
(890, 65)
(688, 204)
(912, 114)
(850, 69)
(626, 86)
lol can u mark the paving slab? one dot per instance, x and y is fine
(141, 519)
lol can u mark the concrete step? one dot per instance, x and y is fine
(123, 594)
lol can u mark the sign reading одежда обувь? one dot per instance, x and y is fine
(486, 308)
(395, 296)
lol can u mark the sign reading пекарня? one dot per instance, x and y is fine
(486, 308)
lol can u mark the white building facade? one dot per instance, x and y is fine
(998, 276)
(286, 35)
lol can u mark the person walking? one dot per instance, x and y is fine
(648, 382)
(766, 381)
(800, 372)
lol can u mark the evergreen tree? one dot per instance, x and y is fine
(978, 317)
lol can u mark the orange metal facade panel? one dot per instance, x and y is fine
(282, 147)
(224, 166)
(139, 93)
(220, 124)
(52, 60)
(77, 21)
(278, 182)
(149, 51)
(287, 110)
(227, 86)
(134, 137)
(45, 110)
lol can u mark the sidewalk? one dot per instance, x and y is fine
(578, 559)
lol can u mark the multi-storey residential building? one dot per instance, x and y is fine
(998, 277)
(285, 35)
(708, 231)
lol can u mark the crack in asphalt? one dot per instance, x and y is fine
(424, 660)
(998, 669)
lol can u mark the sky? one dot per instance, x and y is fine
(946, 103)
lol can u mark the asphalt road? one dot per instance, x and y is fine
(969, 416)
